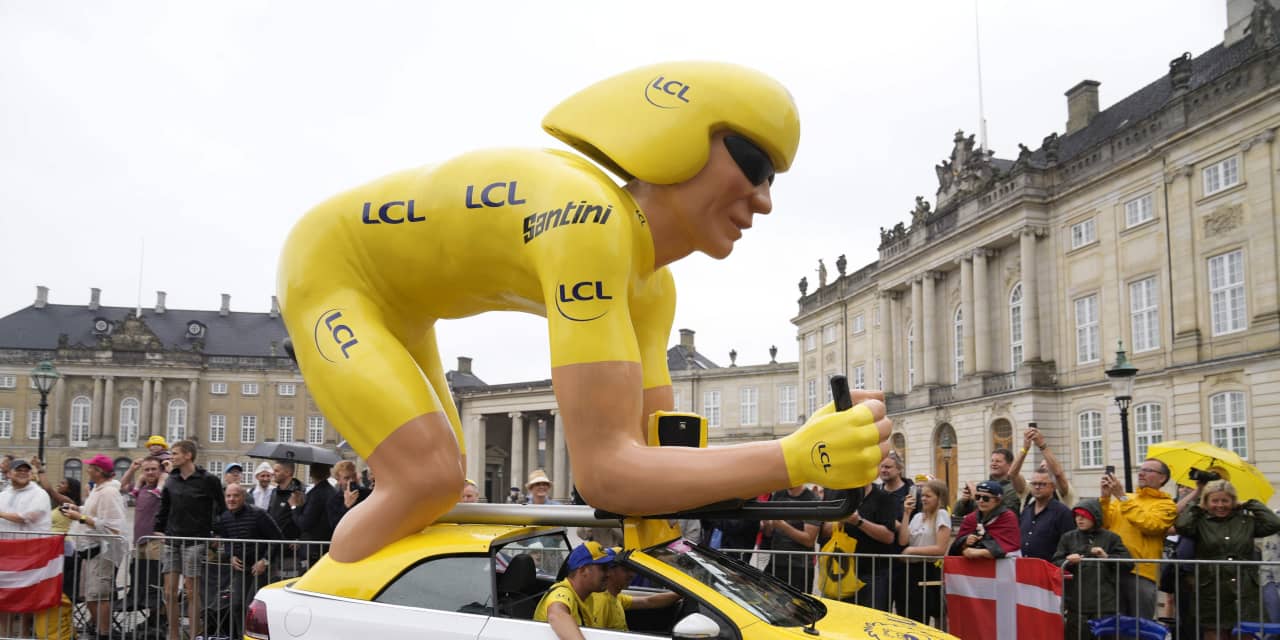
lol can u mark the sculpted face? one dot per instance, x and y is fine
(718, 204)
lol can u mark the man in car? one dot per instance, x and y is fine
(609, 607)
(564, 604)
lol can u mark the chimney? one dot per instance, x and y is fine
(42, 297)
(159, 303)
(686, 339)
(1239, 13)
(94, 294)
(464, 365)
(275, 307)
(1082, 105)
(226, 305)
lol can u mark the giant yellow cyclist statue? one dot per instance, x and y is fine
(364, 276)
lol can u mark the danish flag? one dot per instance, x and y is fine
(30, 574)
(1003, 599)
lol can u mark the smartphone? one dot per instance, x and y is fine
(1111, 469)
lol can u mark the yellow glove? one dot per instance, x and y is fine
(834, 449)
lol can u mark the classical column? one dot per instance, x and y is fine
(886, 342)
(928, 310)
(192, 428)
(981, 314)
(53, 417)
(560, 456)
(1030, 299)
(144, 411)
(917, 328)
(530, 452)
(157, 408)
(109, 408)
(517, 449)
(475, 452)
(95, 416)
(966, 312)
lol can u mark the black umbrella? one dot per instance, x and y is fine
(298, 452)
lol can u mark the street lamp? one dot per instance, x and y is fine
(45, 376)
(1121, 376)
(946, 445)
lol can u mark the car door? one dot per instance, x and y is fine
(513, 629)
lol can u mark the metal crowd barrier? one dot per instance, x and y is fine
(215, 583)
(1193, 599)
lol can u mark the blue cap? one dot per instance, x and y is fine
(590, 552)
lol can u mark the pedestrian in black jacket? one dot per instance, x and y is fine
(1092, 591)
(311, 514)
(348, 492)
(189, 502)
(278, 505)
(249, 560)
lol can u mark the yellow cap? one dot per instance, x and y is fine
(654, 123)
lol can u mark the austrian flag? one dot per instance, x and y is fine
(1004, 599)
(30, 574)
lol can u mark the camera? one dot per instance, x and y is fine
(1200, 475)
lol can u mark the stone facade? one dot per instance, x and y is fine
(1153, 223)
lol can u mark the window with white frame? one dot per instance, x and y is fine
(859, 323)
(811, 396)
(675, 399)
(1222, 175)
(1090, 431)
(879, 374)
(8, 381)
(911, 357)
(6, 424)
(248, 388)
(860, 377)
(875, 316)
(1144, 315)
(1138, 211)
(811, 342)
(711, 407)
(829, 334)
(1088, 347)
(749, 406)
(1227, 422)
(177, 422)
(1148, 427)
(787, 404)
(1083, 233)
(218, 388)
(216, 467)
(284, 428)
(958, 334)
(81, 410)
(248, 429)
(33, 424)
(127, 431)
(1015, 326)
(315, 429)
(1226, 292)
(217, 427)
(287, 389)
(826, 396)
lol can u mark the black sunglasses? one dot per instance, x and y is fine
(752, 160)
(984, 498)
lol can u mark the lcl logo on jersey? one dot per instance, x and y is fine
(666, 94)
(388, 213)
(333, 336)
(570, 296)
(491, 195)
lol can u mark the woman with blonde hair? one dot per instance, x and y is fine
(349, 491)
(1224, 529)
(926, 532)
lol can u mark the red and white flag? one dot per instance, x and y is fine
(30, 574)
(1003, 599)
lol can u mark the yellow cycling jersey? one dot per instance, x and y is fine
(608, 610)
(563, 593)
(364, 275)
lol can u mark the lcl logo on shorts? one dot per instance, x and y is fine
(333, 336)
(666, 94)
(569, 297)
(820, 456)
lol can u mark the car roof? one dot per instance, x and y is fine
(363, 579)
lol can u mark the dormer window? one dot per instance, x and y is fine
(102, 327)
(195, 330)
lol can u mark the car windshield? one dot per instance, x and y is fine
(764, 596)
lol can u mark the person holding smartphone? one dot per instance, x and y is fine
(349, 491)
(1141, 519)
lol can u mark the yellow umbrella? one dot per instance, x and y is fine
(1182, 457)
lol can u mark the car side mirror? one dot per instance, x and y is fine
(695, 625)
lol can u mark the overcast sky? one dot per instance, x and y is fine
(205, 129)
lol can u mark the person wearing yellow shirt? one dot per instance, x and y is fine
(609, 607)
(364, 277)
(563, 605)
(1142, 519)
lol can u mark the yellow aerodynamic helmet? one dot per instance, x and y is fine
(654, 123)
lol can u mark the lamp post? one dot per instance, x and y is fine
(1121, 375)
(946, 445)
(44, 375)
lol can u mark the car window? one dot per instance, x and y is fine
(764, 596)
(548, 552)
(458, 583)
